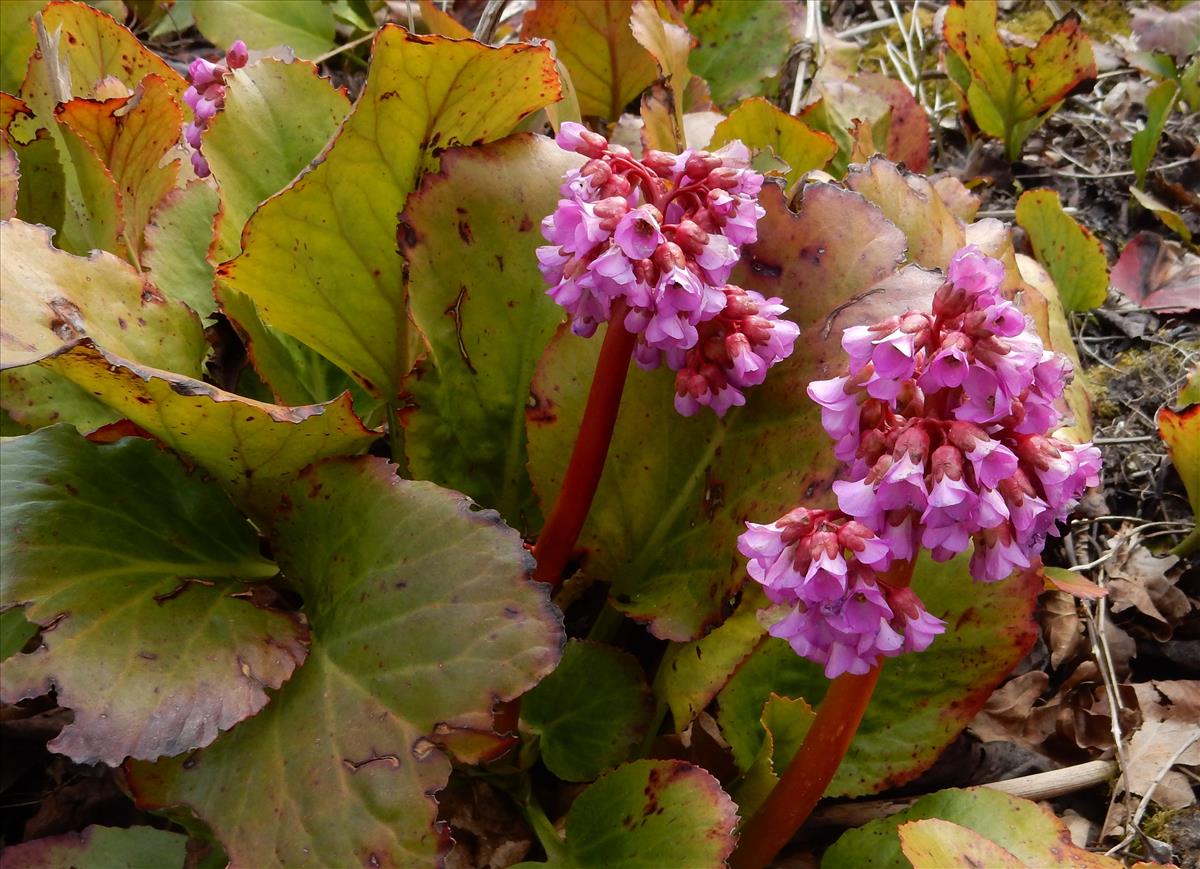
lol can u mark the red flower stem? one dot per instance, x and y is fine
(812, 769)
(557, 540)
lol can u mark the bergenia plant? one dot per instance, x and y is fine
(945, 418)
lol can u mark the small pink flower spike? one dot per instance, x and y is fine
(658, 238)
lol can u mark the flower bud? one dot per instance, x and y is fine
(237, 56)
(700, 164)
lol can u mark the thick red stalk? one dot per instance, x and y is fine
(570, 509)
(817, 761)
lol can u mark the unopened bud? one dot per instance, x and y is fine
(700, 164)
(668, 256)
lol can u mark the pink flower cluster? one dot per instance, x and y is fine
(206, 96)
(654, 241)
(827, 568)
(944, 419)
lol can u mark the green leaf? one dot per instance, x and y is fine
(1181, 433)
(278, 118)
(647, 815)
(607, 65)
(1025, 829)
(1073, 256)
(17, 40)
(591, 712)
(15, 632)
(306, 26)
(1014, 89)
(668, 544)
(177, 239)
(759, 124)
(319, 260)
(469, 236)
(922, 701)
(909, 201)
(41, 195)
(742, 47)
(1159, 103)
(246, 445)
(785, 723)
(52, 299)
(98, 847)
(692, 674)
(422, 617)
(136, 566)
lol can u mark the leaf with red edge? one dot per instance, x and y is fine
(910, 201)
(1023, 829)
(1072, 583)
(1159, 274)
(319, 264)
(422, 618)
(908, 127)
(1180, 430)
(608, 66)
(1011, 90)
(93, 47)
(646, 815)
(1073, 256)
(667, 545)
(134, 569)
(923, 700)
(132, 136)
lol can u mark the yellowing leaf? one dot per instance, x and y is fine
(608, 67)
(1012, 90)
(759, 125)
(92, 47)
(933, 843)
(1181, 432)
(1069, 251)
(319, 260)
(132, 136)
(1164, 213)
(910, 201)
(248, 446)
(670, 45)
(10, 178)
(52, 298)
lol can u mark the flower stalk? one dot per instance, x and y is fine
(557, 540)
(817, 760)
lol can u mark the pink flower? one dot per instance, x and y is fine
(657, 239)
(945, 419)
(978, 275)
